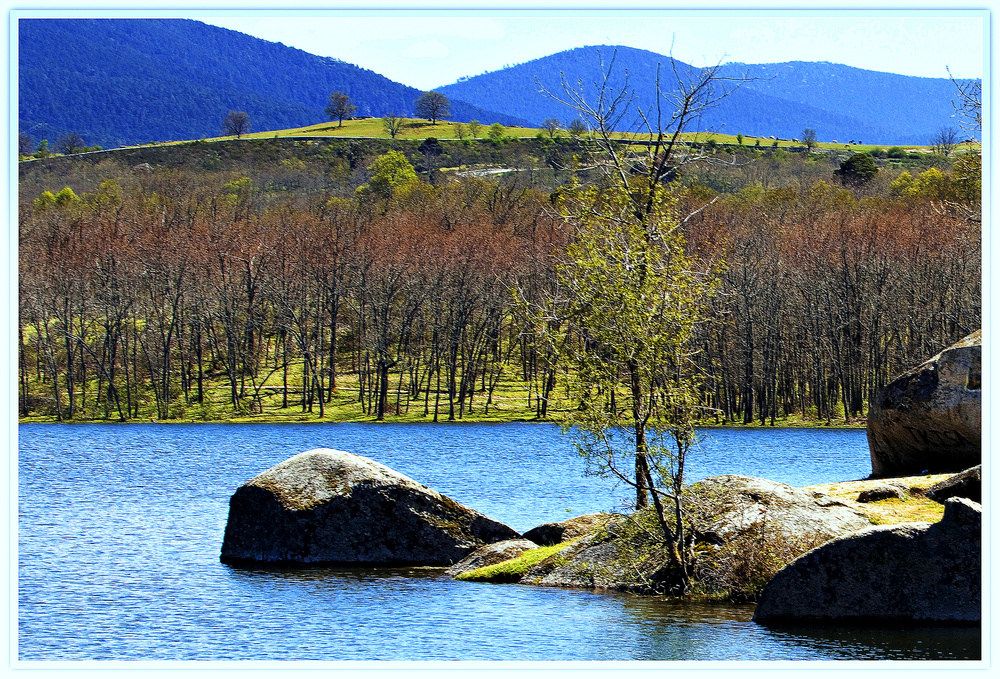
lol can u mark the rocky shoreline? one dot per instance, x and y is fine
(883, 549)
(332, 507)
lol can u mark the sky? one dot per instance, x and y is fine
(428, 48)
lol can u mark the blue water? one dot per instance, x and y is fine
(119, 531)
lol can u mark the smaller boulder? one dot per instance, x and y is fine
(903, 573)
(491, 554)
(967, 484)
(554, 533)
(883, 491)
(592, 562)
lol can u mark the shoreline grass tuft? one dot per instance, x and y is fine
(512, 570)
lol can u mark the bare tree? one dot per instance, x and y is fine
(663, 132)
(576, 128)
(70, 142)
(236, 123)
(969, 104)
(945, 140)
(25, 144)
(551, 125)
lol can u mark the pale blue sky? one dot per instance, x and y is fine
(425, 49)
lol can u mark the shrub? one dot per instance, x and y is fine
(857, 170)
(738, 569)
(496, 133)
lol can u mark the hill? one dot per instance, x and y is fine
(127, 81)
(838, 101)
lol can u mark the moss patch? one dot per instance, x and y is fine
(914, 508)
(512, 570)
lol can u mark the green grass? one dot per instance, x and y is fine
(414, 128)
(417, 129)
(514, 569)
(509, 404)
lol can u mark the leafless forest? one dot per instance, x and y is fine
(208, 287)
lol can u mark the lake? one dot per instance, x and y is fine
(119, 530)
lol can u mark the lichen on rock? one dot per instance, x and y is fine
(330, 506)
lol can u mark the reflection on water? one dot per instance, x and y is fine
(888, 642)
(120, 527)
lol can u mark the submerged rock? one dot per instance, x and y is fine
(913, 572)
(928, 420)
(330, 506)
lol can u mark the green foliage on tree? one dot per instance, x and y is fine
(340, 107)
(47, 199)
(633, 298)
(967, 175)
(496, 133)
(393, 125)
(44, 201)
(391, 175)
(857, 170)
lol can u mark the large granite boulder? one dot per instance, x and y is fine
(329, 506)
(913, 572)
(928, 420)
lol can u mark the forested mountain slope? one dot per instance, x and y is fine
(125, 81)
(838, 101)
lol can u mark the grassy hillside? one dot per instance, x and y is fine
(419, 129)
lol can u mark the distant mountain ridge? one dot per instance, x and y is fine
(126, 81)
(839, 102)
